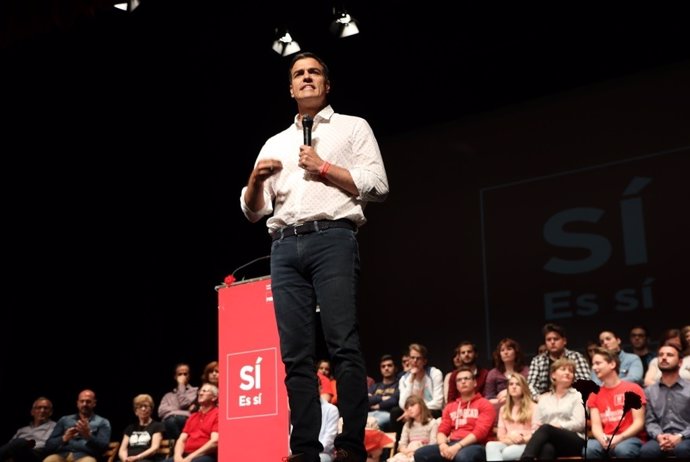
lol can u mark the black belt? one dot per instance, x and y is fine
(312, 226)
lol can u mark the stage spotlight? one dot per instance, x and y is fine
(344, 25)
(129, 5)
(284, 45)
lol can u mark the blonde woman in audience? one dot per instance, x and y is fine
(676, 337)
(508, 361)
(420, 429)
(518, 418)
(562, 417)
(142, 440)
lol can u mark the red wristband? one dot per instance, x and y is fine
(324, 169)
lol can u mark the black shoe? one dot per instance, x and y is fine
(343, 455)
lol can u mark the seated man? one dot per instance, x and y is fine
(178, 404)
(539, 377)
(199, 438)
(28, 443)
(465, 425)
(667, 419)
(383, 395)
(83, 436)
(615, 432)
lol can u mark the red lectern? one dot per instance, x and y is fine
(254, 421)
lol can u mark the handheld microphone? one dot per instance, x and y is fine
(307, 123)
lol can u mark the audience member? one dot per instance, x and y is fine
(639, 341)
(420, 430)
(405, 362)
(673, 336)
(590, 347)
(606, 410)
(667, 419)
(518, 418)
(330, 391)
(421, 380)
(465, 425)
(81, 436)
(456, 362)
(468, 358)
(198, 440)
(211, 374)
(539, 369)
(508, 361)
(384, 395)
(562, 417)
(685, 333)
(329, 430)
(28, 443)
(370, 381)
(142, 439)
(374, 442)
(630, 364)
(178, 404)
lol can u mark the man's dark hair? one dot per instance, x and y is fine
(386, 357)
(550, 327)
(308, 54)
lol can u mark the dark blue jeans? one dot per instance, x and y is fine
(320, 268)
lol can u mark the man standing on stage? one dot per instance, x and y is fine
(316, 192)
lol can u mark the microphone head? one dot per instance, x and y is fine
(632, 401)
(307, 121)
(586, 388)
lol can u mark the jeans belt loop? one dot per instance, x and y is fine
(316, 226)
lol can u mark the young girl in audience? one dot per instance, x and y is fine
(518, 418)
(419, 430)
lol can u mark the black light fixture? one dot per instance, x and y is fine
(343, 24)
(284, 44)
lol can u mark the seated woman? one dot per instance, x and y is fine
(141, 440)
(508, 361)
(562, 417)
(518, 419)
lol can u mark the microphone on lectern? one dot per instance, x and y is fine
(307, 123)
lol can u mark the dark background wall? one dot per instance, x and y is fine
(127, 139)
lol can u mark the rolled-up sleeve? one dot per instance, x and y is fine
(369, 173)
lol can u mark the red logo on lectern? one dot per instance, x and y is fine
(252, 383)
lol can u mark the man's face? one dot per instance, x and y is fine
(86, 402)
(417, 361)
(467, 355)
(601, 367)
(387, 369)
(555, 344)
(465, 382)
(308, 81)
(42, 410)
(669, 359)
(638, 338)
